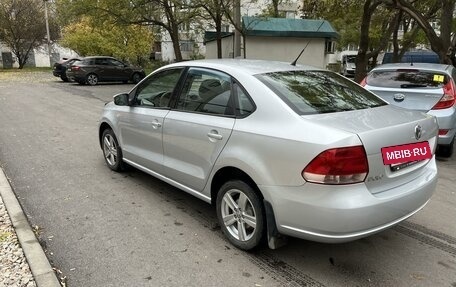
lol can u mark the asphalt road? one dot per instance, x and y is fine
(102, 228)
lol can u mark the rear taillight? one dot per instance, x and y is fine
(344, 165)
(443, 132)
(363, 82)
(75, 68)
(448, 99)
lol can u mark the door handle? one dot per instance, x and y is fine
(214, 135)
(156, 124)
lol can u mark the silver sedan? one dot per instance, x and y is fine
(278, 149)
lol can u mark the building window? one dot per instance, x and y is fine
(187, 46)
(330, 47)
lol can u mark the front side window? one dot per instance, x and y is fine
(206, 91)
(316, 92)
(156, 90)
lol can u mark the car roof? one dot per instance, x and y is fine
(423, 66)
(247, 66)
(98, 57)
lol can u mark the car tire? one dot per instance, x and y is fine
(136, 78)
(446, 150)
(92, 79)
(240, 212)
(111, 151)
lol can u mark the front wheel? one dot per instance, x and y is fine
(112, 151)
(240, 213)
(92, 79)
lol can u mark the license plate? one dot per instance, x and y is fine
(400, 154)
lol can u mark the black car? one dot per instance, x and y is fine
(91, 70)
(59, 69)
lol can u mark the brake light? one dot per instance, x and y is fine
(75, 68)
(363, 82)
(344, 165)
(443, 132)
(448, 99)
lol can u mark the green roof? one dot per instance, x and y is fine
(210, 36)
(284, 27)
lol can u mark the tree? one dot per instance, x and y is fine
(443, 44)
(90, 36)
(215, 10)
(22, 27)
(166, 14)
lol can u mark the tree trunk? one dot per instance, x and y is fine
(362, 60)
(275, 7)
(439, 44)
(218, 31)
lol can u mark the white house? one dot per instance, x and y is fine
(39, 57)
(281, 39)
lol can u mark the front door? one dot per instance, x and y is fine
(141, 128)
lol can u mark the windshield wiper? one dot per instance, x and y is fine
(413, 86)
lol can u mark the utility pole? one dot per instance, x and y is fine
(47, 31)
(237, 33)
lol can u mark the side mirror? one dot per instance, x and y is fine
(121, 99)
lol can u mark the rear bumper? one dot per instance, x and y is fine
(335, 214)
(446, 119)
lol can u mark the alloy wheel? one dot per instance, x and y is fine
(238, 214)
(92, 79)
(110, 149)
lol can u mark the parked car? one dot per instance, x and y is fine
(413, 57)
(278, 149)
(429, 88)
(92, 70)
(348, 65)
(59, 69)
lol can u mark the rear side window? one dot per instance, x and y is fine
(407, 78)
(316, 92)
(206, 91)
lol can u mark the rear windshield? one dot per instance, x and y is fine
(407, 79)
(317, 92)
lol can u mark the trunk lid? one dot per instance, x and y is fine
(381, 127)
(414, 98)
(410, 88)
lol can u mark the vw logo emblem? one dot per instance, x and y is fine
(418, 132)
(399, 97)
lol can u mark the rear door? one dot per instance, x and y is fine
(408, 88)
(196, 131)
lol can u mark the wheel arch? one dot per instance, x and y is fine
(230, 173)
(103, 126)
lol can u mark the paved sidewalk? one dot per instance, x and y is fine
(22, 260)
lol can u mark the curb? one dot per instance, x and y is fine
(39, 264)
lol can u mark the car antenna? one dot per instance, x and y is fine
(302, 51)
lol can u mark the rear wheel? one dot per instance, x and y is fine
(112, 151)
(136, 78)
(240, 213)
(92, 79)
(446, 150)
